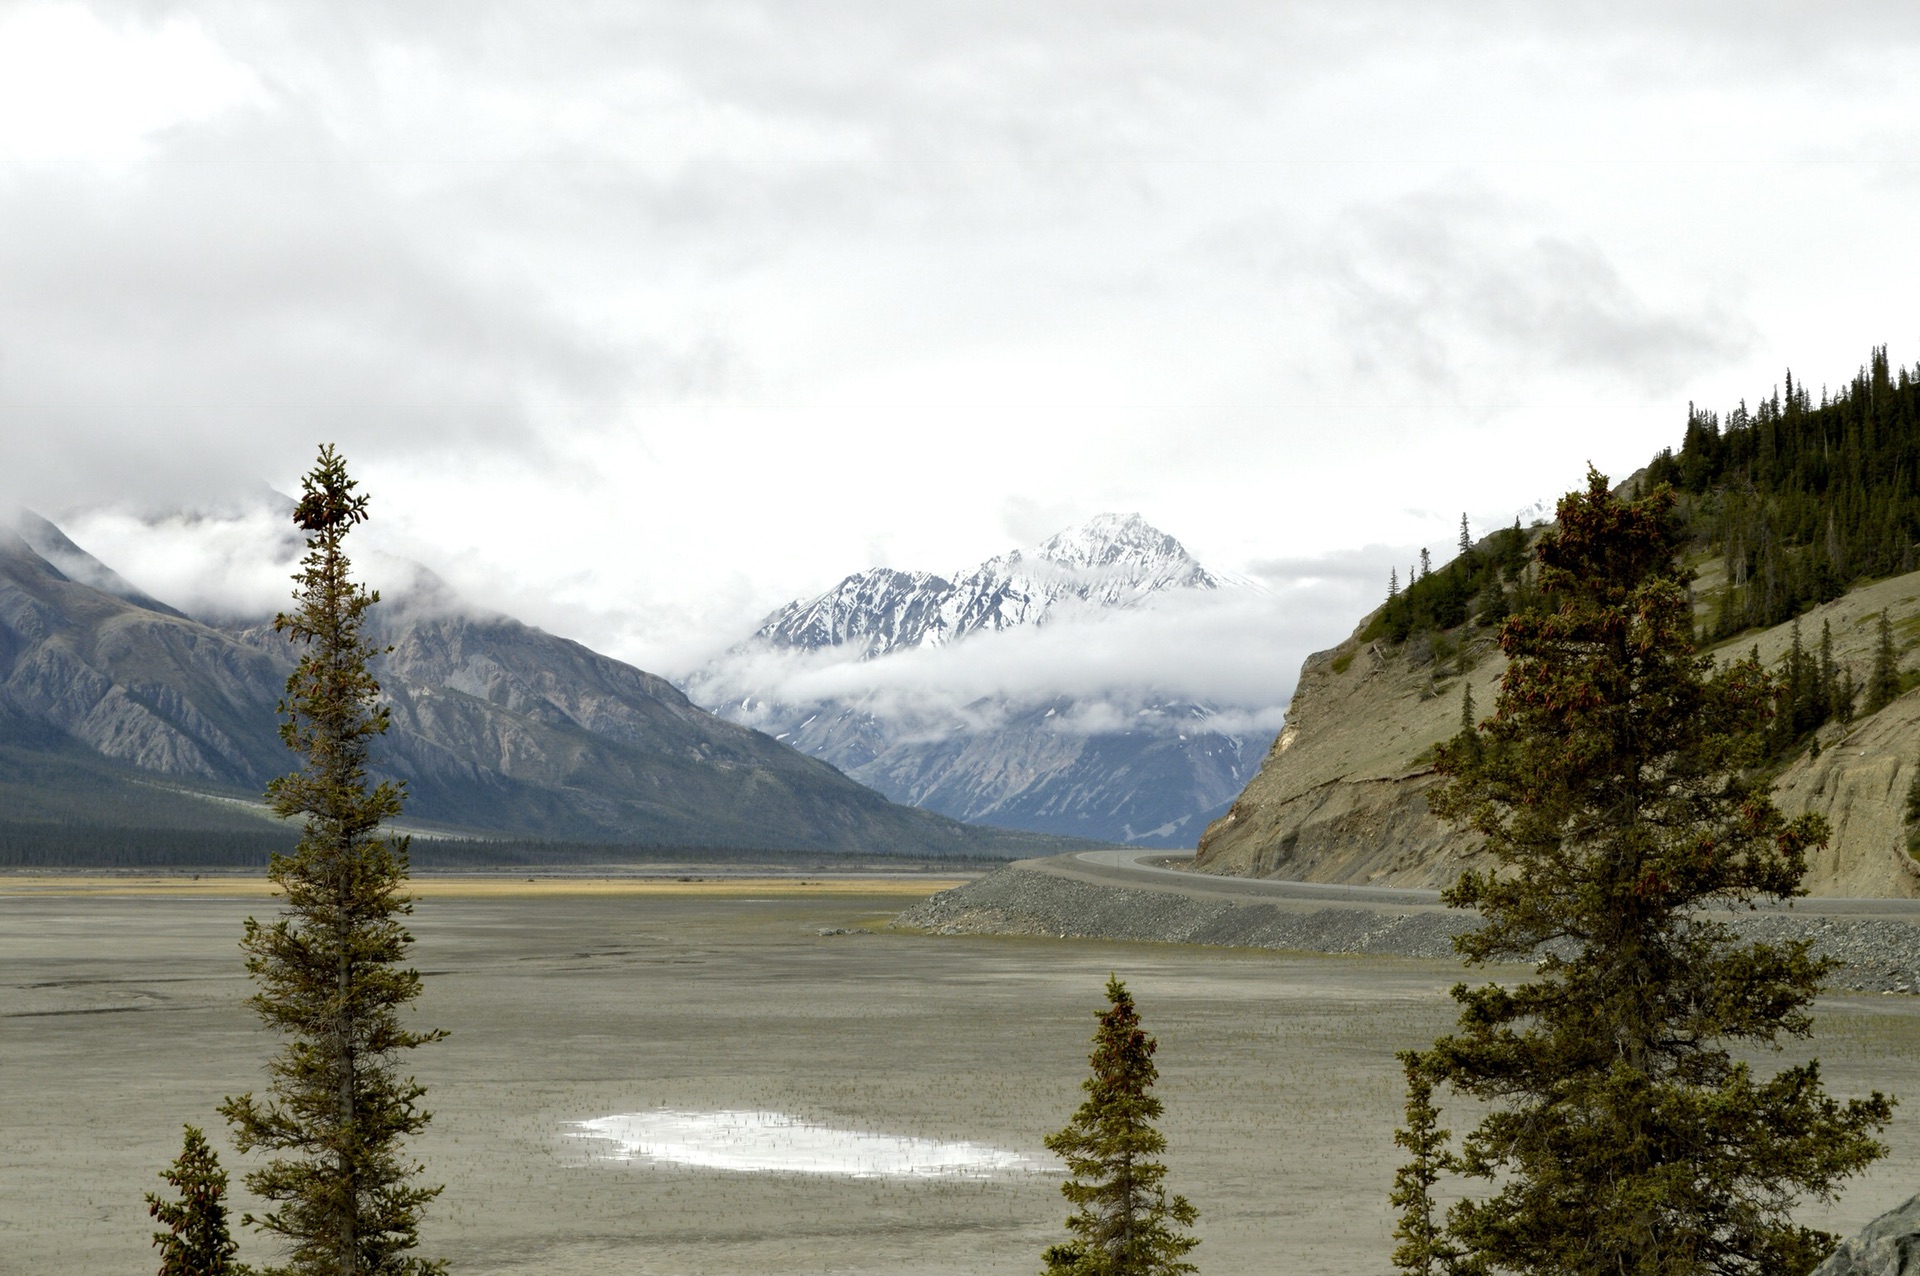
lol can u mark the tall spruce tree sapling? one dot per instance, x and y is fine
(1619, 804)
(1836, 681)
(196, 1242)
(1393, 583)
(1123, 1223)
(1913, 814)
(1466, 536)
(1883, 686)
(1424, 1249)
(328, 970)
(1469, 735)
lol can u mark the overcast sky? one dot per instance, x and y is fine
(638, 319)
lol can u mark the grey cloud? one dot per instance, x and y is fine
(202, 321)
(1028, 520)
(233, 563)
(1433, 280)
(1237, 649)
(1345, 569)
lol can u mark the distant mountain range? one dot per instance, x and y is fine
(120, 711)
(1031, 762)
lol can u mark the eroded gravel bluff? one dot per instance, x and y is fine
(1877, 954)
(1342, 794)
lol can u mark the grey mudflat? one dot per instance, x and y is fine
(1889, 1246)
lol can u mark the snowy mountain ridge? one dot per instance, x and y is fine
(1111, 560)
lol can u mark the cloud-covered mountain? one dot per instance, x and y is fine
(1022, 692)
(116, 708)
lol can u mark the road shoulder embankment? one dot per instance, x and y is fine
(1130, 896)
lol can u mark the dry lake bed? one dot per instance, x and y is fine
(693, 1078)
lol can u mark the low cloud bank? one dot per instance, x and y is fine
(1238, 650)
(234, 564)
(223, 565)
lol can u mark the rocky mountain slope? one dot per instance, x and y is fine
(1033, 763)
(115, 707)
(1341, 796)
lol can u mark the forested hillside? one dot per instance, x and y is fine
(1801, 500)
(1795, 501)
(1802, 518)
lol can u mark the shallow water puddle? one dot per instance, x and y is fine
(775, 1143)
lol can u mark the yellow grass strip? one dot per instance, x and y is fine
(489, 887)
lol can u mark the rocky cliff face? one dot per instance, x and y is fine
(1888, 1246)
(1156, 779)
(1341, 796)
(497, 726)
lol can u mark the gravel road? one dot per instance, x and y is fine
(1148, 896)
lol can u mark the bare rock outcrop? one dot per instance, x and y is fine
(1341, 796)
(1888, 1246)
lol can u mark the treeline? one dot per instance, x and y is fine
(106, 846)
(1483, 582)
(87, 846)
(1814, 689)
(1800, 499)
(1803, 499)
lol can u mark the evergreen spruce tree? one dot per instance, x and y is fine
(1123, 1223)
(1424, 1249)
(196, 1242)
(1619, 804)
(1802, 703)
(1884, 684)
(1492, 607)
(329, 971)
(1469, 737)
(1393, 583)
(1913, 797)
(1426, 563)
(1836, 683)
(1466, 537)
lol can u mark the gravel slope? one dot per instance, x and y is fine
(1053, 897)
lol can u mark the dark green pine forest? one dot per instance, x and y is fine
(1799, 499)
(1795, 500)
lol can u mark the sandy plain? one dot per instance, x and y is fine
(121, 1016)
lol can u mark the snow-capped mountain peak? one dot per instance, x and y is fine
(1126, 542)
(1112, 560)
